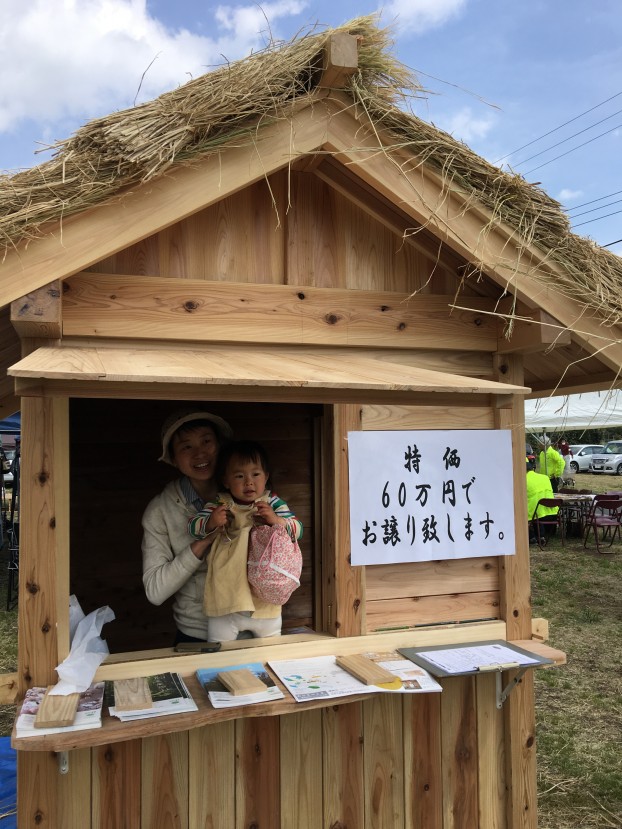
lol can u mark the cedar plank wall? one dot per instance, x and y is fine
(405, 762)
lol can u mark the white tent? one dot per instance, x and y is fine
(591, 410)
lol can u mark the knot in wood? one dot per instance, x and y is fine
(190, 306)
(45, 627)
(109, 755)
(52, 523)
(356, 604)
(43, 477)
(301, 295)
(401, 326)
(530, 741)
(332, 319)
(257, 748)
(38, 817)
(503, 369)
(385, 308)
(32, 588)
(477, 322)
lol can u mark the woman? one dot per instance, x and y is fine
(173, 563)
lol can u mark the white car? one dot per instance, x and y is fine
(582, 455)
(608, 460)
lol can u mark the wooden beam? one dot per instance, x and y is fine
(138, 307)
(95, 234)
(340, 60)
(538, 334)
(39, 314)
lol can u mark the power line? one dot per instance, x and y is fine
(608, 245)
(570, 137)
(578, 147)
(594, 209)
(615, 213)
(565, 124)
(585, 203)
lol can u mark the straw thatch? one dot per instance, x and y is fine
(227, 106)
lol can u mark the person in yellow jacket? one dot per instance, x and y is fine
(551, 463)
(538, 486)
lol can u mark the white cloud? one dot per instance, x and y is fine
(83, 58)
(567, 195)
(464, 126)
(420, 15)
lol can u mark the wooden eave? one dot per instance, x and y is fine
(277, 373)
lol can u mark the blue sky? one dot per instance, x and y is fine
(500, 74)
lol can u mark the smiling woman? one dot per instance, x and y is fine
(174, 564)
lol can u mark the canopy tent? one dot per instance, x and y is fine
(11, 425)
(592, 410)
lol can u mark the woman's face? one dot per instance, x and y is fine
(195, 452)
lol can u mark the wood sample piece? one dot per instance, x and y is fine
(241, 681)
(132, 694)
(365, 670)
(55, 710)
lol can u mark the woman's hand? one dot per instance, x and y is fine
(267, 515)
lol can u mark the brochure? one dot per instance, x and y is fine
(88, 713)
(169, 695)
(321, 678)
(221, 698)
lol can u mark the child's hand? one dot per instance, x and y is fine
(219, 518)
(267, 515)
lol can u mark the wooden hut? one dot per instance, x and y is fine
(281, 240)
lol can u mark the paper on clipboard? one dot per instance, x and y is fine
(474, 657)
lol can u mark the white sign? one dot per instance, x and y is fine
(430, 495)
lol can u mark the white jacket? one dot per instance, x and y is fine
(170, 568)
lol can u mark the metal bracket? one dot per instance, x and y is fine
(504, 693)
(63, 762)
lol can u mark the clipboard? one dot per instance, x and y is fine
(474, 658)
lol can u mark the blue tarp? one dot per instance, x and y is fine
(8, 785)
(11, 425)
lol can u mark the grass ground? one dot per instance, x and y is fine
(578, 706)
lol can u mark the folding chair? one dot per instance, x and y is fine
(605, 515)
(552, 520)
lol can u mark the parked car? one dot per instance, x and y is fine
(582, 455)
(609, 461)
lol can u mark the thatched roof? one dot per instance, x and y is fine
(227, 106)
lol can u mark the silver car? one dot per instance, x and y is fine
(582, 455)
(609, 461)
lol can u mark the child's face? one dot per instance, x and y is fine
(245, 480)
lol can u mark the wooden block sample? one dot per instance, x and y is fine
(365, 670)
(132, 694)
(241, 681)
(55, 710)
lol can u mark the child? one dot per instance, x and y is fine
(243, 471)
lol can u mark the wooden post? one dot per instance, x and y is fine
(514, 600)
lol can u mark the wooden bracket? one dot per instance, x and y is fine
(341, 60)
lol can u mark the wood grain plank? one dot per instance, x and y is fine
(432, 578)
(426, 610)
(116, 783)
(383, 761)
(109, 305)
(164, 787)
(377, 418)
(422, 761)
(211, 776)
(258, 764)
(301, 770)
(74, 792)
(491, 756)
(459, 753)
(342, 732)
(37, 784)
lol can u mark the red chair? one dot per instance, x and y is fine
(551, 520)
(605, 515)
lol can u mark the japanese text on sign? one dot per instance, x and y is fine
(429, 495)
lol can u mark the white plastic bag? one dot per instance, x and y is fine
(86, 654)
